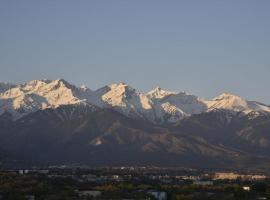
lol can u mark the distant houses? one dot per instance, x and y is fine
(233, 176)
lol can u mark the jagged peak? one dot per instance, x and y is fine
(227, 95)
(34, 82)
(119, 85)
(158, 92)
(187, 95)
(62, 82)
(230, 101)
(39, 81)
(43, 84)
(157, 103)
(47, 81)
(121, 88)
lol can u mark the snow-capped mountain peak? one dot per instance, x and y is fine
(125, 98)
(226, 95)
(38, 94)
(121, 88)
(159, 93)
(228, 101)
(117, 94)
(158, 105)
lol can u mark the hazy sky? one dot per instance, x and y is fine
(202, 47)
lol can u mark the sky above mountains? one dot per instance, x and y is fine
(202, 47)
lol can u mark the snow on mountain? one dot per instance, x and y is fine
(125, 99)
(159, 93)
(38, 94)
(176, 105)
(157, 106)
(235, 103)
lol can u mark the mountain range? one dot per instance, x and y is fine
(55, 122)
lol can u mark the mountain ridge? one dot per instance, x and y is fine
(107, 137)
(157, 105)
(55, 122)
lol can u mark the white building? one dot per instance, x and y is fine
(246, 188)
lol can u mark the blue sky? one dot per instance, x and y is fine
(202, 47)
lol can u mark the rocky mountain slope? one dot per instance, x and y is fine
(55, 122)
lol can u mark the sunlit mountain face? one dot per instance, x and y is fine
(54, 122)
(157, 106)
